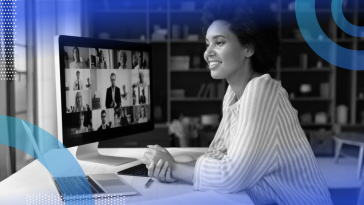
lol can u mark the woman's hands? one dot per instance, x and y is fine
(159, 163)
(156, 152)
(161, 171)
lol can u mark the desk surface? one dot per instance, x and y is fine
(35, 179)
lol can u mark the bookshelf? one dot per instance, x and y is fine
(136, 21)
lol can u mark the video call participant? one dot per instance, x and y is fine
(81, 128)
(143, 117)
(88, 85)
(103, 125)
(123, 119)
(78, 84)
(113, 98)
(124, 97)
(102, 63)
(141, 82)
(76, 56)
(122, 62)
(139, 65)
(142, 99)
(79, 107)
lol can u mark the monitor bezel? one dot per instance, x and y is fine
(96, 136)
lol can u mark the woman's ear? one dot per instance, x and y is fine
(249, 51)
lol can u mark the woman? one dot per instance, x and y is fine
(79, 107)
(81, 128)
(76, 59)
(143, 117)
(259, 146)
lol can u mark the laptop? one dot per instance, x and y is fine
(100, 184)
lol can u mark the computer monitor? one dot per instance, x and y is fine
(104, 91)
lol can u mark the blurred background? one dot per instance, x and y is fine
(187, 101)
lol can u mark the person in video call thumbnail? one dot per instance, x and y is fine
(81, 128)
(259, 146)
(78, 84)
(76, 59)
(123, 60)
(123, 118)
(140, 63)
(79, 107)
(113, 98)
(141, 82)
(103, 125)
(142, 99)
(102, 63)
(143, 115)
(88, 85)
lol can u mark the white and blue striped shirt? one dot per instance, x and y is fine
(261, 148)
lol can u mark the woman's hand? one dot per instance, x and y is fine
(161, 171)
(156, 153)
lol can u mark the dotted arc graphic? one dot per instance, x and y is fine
(309, 26)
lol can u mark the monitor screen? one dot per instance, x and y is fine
(105, 89)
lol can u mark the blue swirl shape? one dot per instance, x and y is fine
(59, 162)
(309, 26)
(342, 22)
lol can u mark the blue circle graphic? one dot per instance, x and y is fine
(309, 26)
(342, 22)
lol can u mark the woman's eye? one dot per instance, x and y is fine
(207, 45)
(219, 43)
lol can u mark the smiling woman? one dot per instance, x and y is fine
(259, 146)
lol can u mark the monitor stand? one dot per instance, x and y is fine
(90, 154)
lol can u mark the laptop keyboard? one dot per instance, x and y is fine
(139, 170)
(77, 185)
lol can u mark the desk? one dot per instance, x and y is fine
(35, 179)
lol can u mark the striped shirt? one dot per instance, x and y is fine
(261, 148)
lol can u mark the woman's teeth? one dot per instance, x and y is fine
(213, 64)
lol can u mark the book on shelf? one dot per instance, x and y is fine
(200, 91)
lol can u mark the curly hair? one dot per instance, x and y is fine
(253, 23)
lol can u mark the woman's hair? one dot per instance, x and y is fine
(81, 106)
(78, 51)
(141, 111)
(253, 22)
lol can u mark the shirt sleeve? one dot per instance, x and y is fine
(251, 150)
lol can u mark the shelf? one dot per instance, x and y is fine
(198, 11)
(187, 41)
(299, 99)
(144, 11)
(315, 125)
(191, 99)
(325, 69)
(293, 40)
(350, 125)
(191, 71)
(160, 125)
(316, 10)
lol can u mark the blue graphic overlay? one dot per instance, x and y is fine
(342, 22)
(307, 21)
(59, 162)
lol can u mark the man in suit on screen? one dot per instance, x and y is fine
(113, 98)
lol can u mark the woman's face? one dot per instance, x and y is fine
(78, 98)
(76, 55)
(224, 54)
